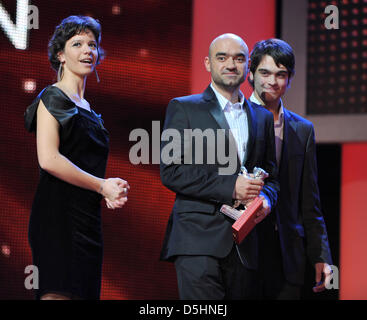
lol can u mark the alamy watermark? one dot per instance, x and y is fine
(32, 279)
(332, 281)
(186, 146)
(332, 20)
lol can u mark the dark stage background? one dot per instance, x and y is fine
(148, 62)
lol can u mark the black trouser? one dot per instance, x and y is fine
(210, 278)
(273, 284)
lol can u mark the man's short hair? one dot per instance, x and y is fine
(279, 50)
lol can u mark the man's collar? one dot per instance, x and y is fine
(223, 101)
(255, 100)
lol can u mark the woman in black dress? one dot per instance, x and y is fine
(72, 147)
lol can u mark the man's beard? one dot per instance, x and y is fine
(230, 84)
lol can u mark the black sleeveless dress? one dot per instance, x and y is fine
(65, 223)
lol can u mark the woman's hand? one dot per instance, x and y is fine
(115, 192)
(116, 204)
(114, 189)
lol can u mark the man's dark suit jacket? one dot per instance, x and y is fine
(196, 226)
(299, 219)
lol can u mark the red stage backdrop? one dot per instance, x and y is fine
(353, 257)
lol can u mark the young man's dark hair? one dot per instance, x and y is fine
(279, 50)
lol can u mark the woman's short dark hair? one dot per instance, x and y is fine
(279, 50)
(67, 29)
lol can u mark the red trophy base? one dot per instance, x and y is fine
(244, 224)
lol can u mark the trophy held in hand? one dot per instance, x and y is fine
(245, 216)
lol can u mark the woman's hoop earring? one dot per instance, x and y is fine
(60, 72)
(95, 71)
